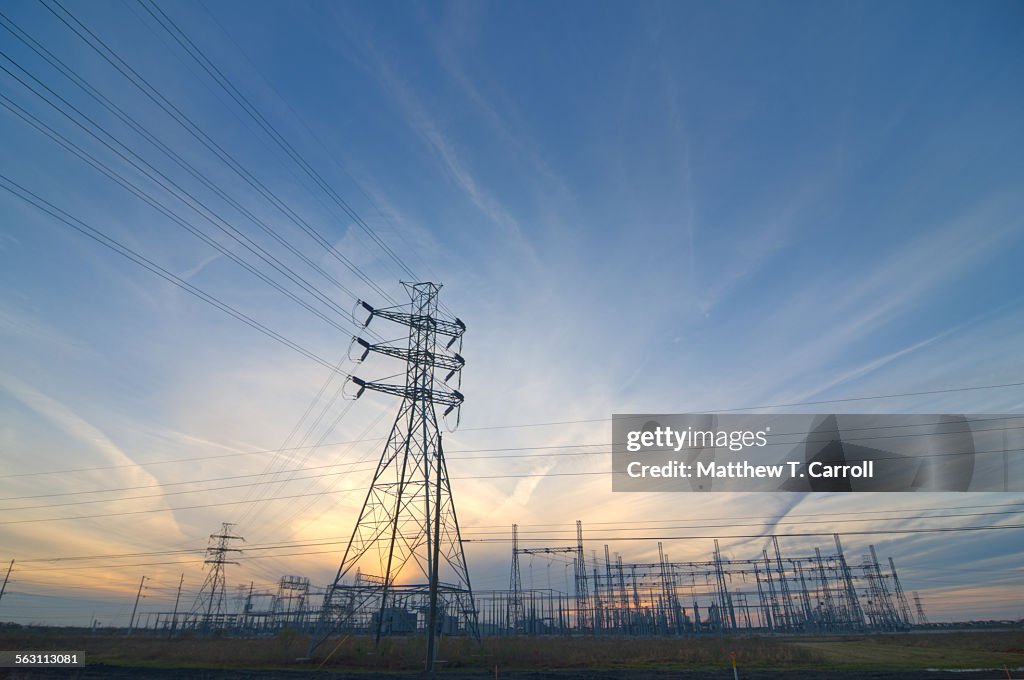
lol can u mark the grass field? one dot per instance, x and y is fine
(952, 650)
(944, 650)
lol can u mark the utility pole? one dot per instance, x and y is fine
(177, 599)
(4, 586)
(138, 595)
(408, 527)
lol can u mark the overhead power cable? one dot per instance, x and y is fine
(190, 459)
(301, 495)
(569, 534)
(182, 194)
(157, 205)
(218, 76)
(236, 454)
(315, 137)
(266, 489)
(328, 540)
(654, 524)
(269, 468)
(169, 152)
(817, 402)
(606, 539)
(339, 464)
(303, 507)
(871, 532)
(144, 86)
(74, 223)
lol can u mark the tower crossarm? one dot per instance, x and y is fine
(544, 551)
(423, 322)
(443, 360)
(452, 398)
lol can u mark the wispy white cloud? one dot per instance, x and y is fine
(33, 540)
(452, 161)
(21, 325)
(459, 34)
(192, 272)
(863, 298)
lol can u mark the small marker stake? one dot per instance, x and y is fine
(735, 674)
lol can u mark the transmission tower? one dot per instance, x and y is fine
(406, 544)
(515, 587)
(209, 605)
(922, 620)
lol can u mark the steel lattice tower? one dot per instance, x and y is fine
(406, 548)
(922, 620)
(209, 605)
(515, 617)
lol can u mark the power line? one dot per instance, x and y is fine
(231, 231)
(175, 190)
(334, 465)
(250, 485)
(127, 119)
(198, 560)
(193, 129)
(217, 75)
(17, 110)
(800, 522)
(302, 508)
(605, 539)
(611, 539)
(507, 448)
(302, 495)
(135, 126)
(253, 511)
(309, 130)
(295, 428)
(123, 250)
(171, 461)
(652, 523)
(766, 406)
(114, 556)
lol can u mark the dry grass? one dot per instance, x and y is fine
(946, 650)
(406, 653)
(551, 653)
(939, 650)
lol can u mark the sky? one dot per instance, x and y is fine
(635, 207)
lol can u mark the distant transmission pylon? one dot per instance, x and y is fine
(922, 620)
(406, 550)
(515, 619)
(208, 609)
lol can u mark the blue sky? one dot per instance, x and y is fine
(635, 207)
